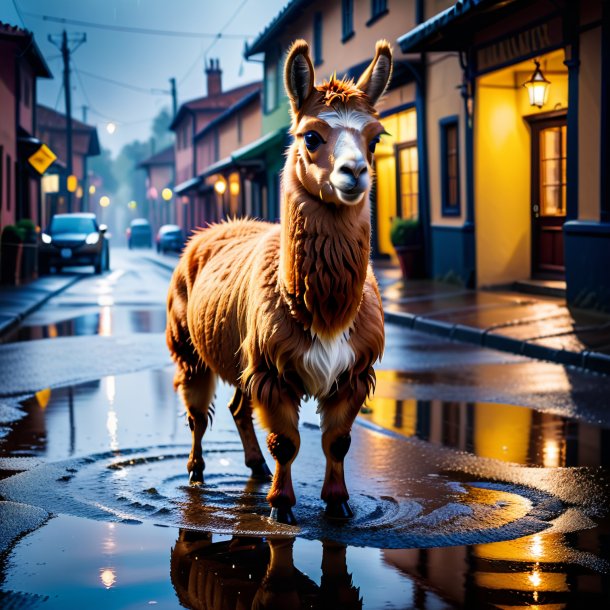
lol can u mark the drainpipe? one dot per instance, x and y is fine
(605, 121)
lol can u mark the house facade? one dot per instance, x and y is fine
(193, 153)
(21, 64)
(342, 37)
(532, 199)
(51, 128)
(160, 169)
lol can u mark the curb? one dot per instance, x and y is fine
(591, 361)
(12, 322)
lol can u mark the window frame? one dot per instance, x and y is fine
(317, 34)
(379, 8)
(272, 58)
(449, 209)
(347, 20)
(398, 148)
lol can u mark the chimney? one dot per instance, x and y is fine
(214, 74)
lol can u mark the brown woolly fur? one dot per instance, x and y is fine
(290, 310)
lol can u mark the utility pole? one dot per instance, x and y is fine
(77, 40)
(85, 184)
(172, 82)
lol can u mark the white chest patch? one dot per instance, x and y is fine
(325, 360)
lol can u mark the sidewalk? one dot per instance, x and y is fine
(540, 327)
(17, 302)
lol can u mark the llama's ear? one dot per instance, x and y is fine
(298, 74)
(376, 77)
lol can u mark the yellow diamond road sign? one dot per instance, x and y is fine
(42, 158)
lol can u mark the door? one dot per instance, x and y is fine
(548, 196)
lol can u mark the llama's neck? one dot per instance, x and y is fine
(324, 259)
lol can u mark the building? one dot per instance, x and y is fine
(518, 190)
(342, 37)
(191, 119)
(159, 169)
(21, 64)
(51, 128)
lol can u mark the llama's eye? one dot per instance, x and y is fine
(373, 143)
(312, 140)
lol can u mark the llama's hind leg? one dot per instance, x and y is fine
(241, 410)
(197, 392)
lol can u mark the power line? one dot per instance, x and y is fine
(133, 30)
(19, 13)
(112, 81)
(217, 37)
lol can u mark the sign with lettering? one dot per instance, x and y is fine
(523, 44)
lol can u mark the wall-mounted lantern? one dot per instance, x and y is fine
(220, 186)
(537, 87)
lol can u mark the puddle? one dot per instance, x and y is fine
(504, 432)
(433, 484)
(105, 321)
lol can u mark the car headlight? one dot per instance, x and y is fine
(46, 238)
(92, 238)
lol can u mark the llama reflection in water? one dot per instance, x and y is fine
(252, 573)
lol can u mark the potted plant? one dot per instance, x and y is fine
(405, 235)
(29, 257)
(11, 244)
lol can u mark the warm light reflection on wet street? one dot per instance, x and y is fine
(458, 444)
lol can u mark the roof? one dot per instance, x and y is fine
(232, 110)
(48, 119)
(24, 39)
(213, 103)
(163, 157)
(453, 28)
(289, 13)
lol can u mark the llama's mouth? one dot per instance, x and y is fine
(349, 197)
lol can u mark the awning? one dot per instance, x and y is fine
(248, 156)
(454, 28)
(188, 185)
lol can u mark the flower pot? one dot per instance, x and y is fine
(410, 260)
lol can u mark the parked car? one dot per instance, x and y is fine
(169, 237)
(74, 239)
(139, 234)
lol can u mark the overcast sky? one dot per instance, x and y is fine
(140, 60)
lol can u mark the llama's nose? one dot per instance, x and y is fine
(353, 169)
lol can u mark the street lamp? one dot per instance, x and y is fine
(537, 87)
(104, 201)
(166, 194)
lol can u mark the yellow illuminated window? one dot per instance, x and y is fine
(553, 171)
(408, 181)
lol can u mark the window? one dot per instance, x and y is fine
(379, 8)
(1, 175)
(347, 19)
(216, 145)
(26, 90)
(408, 181)
(317, 39)
(8, 183)
(450, 167)
(553, 171)
(239, 129)
(271, 81)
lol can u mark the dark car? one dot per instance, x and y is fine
(74, 239)
(170, 238)
(139, 234)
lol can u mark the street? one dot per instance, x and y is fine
(477, 478)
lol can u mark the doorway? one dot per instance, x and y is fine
(548, 195)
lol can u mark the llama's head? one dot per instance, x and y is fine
(335, 125)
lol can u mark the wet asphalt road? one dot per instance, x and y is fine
(478, 478)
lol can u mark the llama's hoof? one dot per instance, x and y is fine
(339, 510)
(260, 471)
(283, 515)
(196, 476)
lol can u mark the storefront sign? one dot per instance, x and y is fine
(517, 46)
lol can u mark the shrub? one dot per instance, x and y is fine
(404, 231)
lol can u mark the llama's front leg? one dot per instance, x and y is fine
(283, 442)
(336, 425)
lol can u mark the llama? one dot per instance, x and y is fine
(291, 310)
